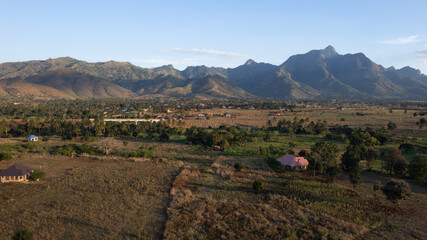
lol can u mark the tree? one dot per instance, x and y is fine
(394, 161)
(355, 178)
(400, 166)
(351, 158)
(418, 168)
(107, 144)
(325, 155)
(371, 155)
(258, 186)
(239, 167)
(4, 128)
(391, 126)
(22, 234)
(332, 172)
(396, 190)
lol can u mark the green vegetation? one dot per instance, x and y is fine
(239, 166)
(258, 186)
(418, 168)
(396, 190)
(5, 156)
(37, 175)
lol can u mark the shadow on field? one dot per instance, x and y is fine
(101, 230)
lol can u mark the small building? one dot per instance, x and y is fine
(32, 138)
(216, 148)
(227, 115)
(293, 162)
(16, 173)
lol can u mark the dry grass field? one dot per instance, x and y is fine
(373, 116)
(88, 198)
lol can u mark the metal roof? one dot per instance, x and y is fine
(16, 170)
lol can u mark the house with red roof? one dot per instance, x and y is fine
(16, 173)
(293, 162)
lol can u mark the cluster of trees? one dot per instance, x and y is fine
(345, 133)
(222, 136)
(301, 126)
(85, 128)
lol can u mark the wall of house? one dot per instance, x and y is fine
(4, 179)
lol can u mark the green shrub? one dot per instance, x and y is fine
(258, 186)
(396, 190)
(37, 175)
(418, 168)
(5, 156)
(239, 166)
(22, 234)
(45, 139)
(125, 143)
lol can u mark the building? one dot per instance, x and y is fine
(16, 173)
(32, 138)
(216, 148)
(293, 162)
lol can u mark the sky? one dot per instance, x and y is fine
(221, 33)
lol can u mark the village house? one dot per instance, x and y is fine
(227, 115)
(32, 138)
(16, 173)
(293, 162)
(216, 148)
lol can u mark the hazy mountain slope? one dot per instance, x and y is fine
(15, 87)
(280, 85)
(203, 71)
(410, 73)
(250, 74)
(350, 75)
(79, 85)
(207, 87)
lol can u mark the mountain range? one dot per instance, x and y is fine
(318, 74)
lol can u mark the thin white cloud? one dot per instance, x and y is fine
(401, 40)
(422, 55)
(179, 63)
(211, 52)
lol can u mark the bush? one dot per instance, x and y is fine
(396, 190)
(35, 175)
(239, 166)
(22, 234)
(418, 168)
(258, 186)
(5, 156)
(45, 139)
(125, 143)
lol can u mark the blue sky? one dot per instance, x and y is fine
(212, 33)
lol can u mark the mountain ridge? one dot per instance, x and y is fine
(317, 74)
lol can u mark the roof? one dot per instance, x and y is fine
(16, 170)
(32, 136)
(293, 161)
